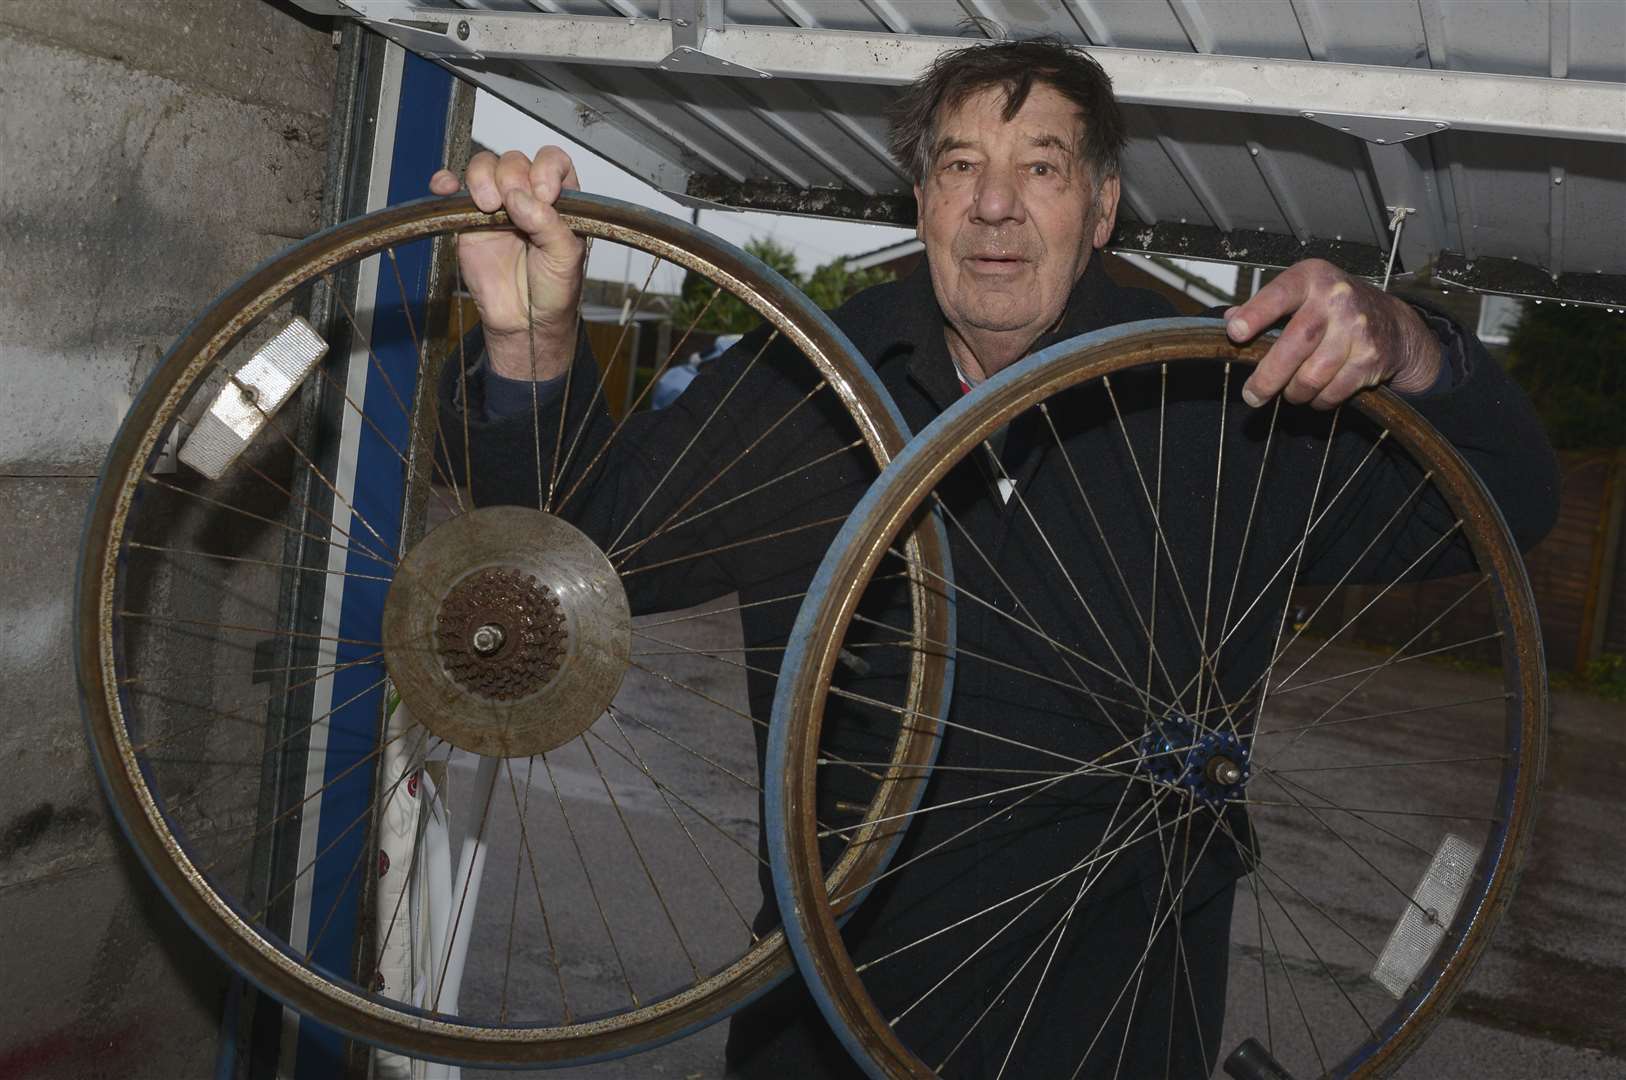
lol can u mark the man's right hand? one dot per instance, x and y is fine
(527, 283)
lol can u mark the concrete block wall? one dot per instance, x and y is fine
(150, 153)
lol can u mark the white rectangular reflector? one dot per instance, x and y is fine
(1423, 923)
(247, 402)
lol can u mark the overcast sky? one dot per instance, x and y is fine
(814, 240)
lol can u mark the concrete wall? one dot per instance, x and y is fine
(149, 154)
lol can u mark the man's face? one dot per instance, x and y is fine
(1009, 215)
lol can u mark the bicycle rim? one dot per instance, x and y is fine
(213, 712)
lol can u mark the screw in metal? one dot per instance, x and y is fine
(1224, 771)
(463, 30)
(487, 639)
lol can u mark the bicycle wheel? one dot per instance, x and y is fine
(1207, 790)
(460, 780)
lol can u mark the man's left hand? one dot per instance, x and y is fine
(1344, 336)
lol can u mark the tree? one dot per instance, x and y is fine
(1572, 363)
(828, 286)
(703, 306)
(831, 284)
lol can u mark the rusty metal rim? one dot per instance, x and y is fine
(793, 748)
(217, 919)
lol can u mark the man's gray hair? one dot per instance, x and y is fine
(1015, 67)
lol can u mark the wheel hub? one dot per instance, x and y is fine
(506, 632)
(1212, 765)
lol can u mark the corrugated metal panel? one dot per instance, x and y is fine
(1212, 169)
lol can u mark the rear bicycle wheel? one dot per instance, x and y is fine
(1198, 645)
(455, 779)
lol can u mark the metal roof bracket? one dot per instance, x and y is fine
(1404, 175)
(1383, 130)
(692, 21)
(438, 33)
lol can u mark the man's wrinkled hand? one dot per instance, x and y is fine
(527, 283)
(1343, 336)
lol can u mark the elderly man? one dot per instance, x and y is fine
(1013, 148)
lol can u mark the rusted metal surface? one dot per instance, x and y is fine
(500, 633)
(778, 197)
(548, 595)
(1510, 277)
(1250, 248)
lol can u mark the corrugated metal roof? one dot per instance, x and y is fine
(1262, 131)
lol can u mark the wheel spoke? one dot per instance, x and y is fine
(1213, 540)
(624, 554)
(1162, 544)
(1325, 970)
(687, 805)
(356, 546)
(822, 523)
(690, 445)
(310, 864)
(420, 346)
(1295, 554)
(522, 808)
(643, 863)
(660, 369)
(581, 859)
(1157, 926)
(687, 749)
(1261, 734)
(377, 366)
(468, 871)
(1148, 622)
(1063, 651)
(372, 425)
(711, 870)
(1072, 586)
(254, 674)
(1393, 661)
(1365, 679)
(1297, 559)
